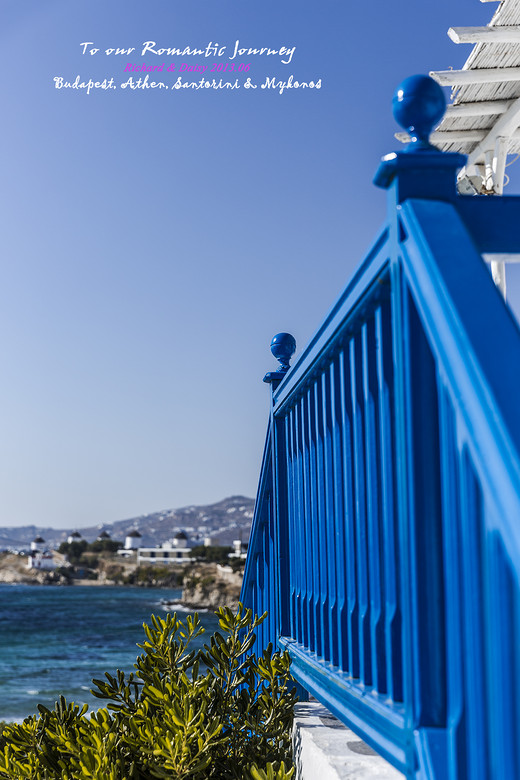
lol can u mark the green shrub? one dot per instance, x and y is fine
(89, 560)
(63, 571)
(73, 550)
(105, 546)
(237, 564)
(154, 576)
(155, 571)
(211, 554)
(218, 712)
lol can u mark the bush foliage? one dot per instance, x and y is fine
(211, 554)
(75, 550)
(218, 712)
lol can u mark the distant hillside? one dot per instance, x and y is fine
(224, 521)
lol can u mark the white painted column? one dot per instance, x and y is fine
(498, 269)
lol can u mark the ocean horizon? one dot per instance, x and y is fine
(55, 640)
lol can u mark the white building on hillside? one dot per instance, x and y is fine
(239, 549)
(75, 536)
(177, 550)
(41, 560)
(180, 540)
(132, 540)
(38, 544)
(40, 557)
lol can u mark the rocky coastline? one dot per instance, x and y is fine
(204, 585)
(211, 586)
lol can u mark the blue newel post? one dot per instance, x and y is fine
(420, 170)
(283, 347)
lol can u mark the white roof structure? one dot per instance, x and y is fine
(483, 120)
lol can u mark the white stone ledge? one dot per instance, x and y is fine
(325, 749)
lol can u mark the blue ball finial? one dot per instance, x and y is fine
(419, 105)
(283, 347)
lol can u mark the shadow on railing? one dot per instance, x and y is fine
(386, 536)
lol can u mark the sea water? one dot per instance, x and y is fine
(55, 640)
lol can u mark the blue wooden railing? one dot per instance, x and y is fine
(386, 537)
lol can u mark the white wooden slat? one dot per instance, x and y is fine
(447, 78)
(480, 108)
(510, 34)
(455, 136)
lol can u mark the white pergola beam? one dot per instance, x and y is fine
(480, 108)
(506, 127)
(450, 78)
(509, 34)
(507, 124)
(458, 136)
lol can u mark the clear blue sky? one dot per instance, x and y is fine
(152, 242)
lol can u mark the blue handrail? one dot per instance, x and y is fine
(386, 535)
